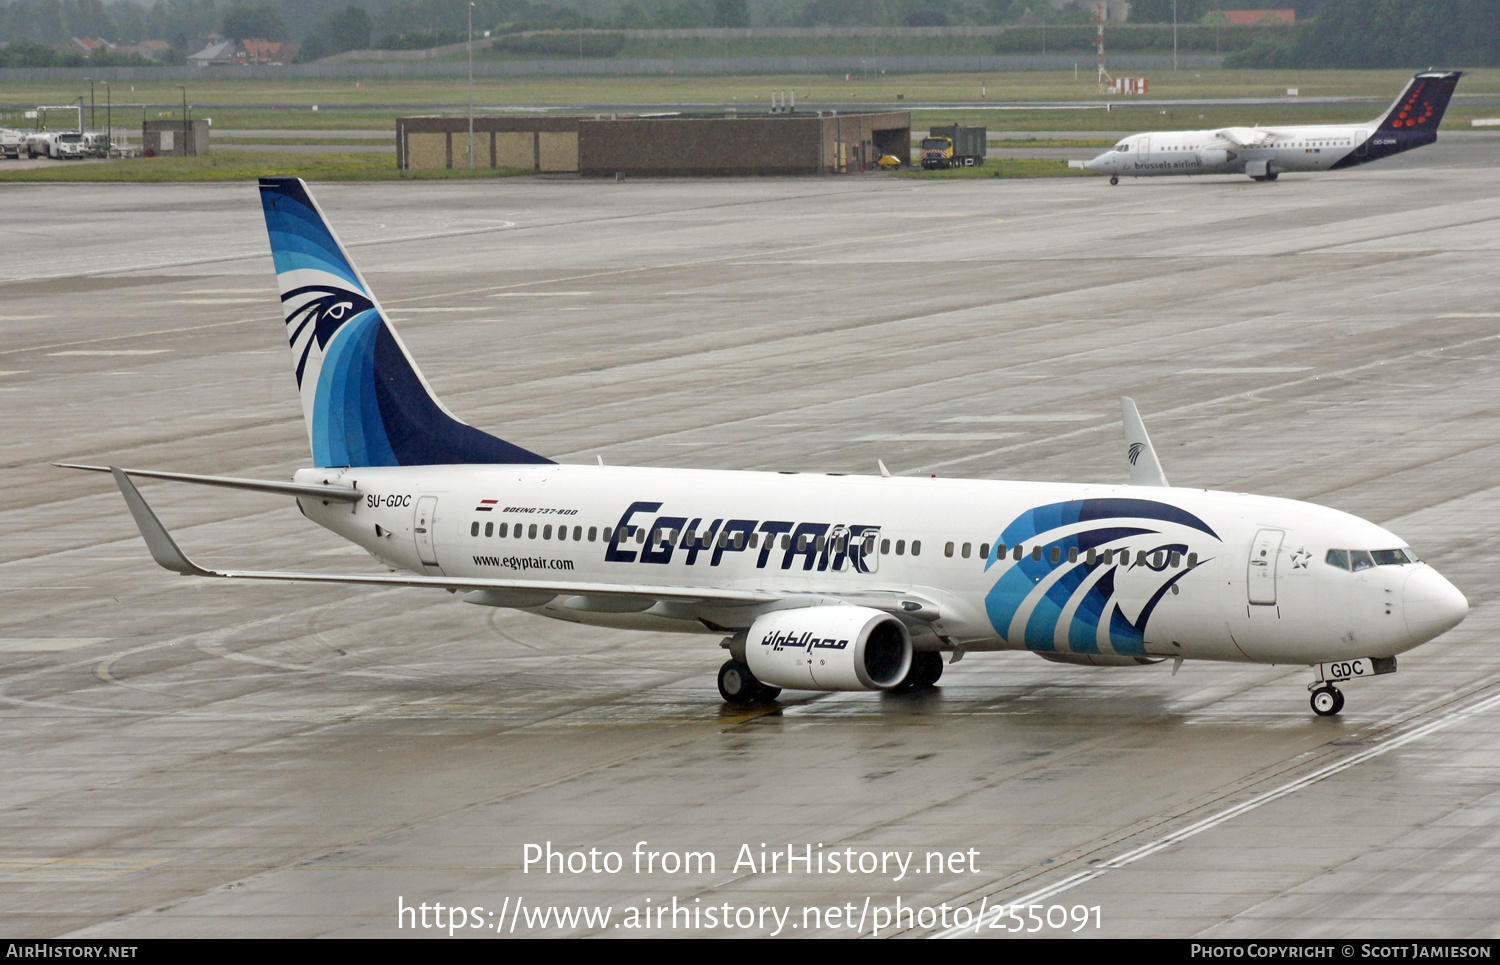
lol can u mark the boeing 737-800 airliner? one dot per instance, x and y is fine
(1265, 152)
(812, 581)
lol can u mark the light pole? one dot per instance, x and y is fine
(109, 131)
(91, 103)
(1174, 35)
(183, 88)
(471, 86)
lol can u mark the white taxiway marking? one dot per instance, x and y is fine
(47, 644)
(1052, 417)
(1248, 370)
(121, 351)
(1228, 814)
(936, 436)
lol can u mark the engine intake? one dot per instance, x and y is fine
(829, 648)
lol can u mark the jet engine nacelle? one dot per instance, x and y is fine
(829, 648)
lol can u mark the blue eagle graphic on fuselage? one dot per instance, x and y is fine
(1067, 557)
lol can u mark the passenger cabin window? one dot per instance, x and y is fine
(916, 547)
(474, 528)
(489, 529)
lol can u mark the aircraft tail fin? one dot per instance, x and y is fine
(364, 401)
(1420, 107)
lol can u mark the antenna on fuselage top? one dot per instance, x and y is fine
(1145, 468)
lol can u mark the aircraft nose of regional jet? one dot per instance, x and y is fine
(1100, 163)
(1432, 605)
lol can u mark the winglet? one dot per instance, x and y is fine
(163, 548)
(1145, 468)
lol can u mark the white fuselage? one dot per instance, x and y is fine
(1304, 148)
(1113, 573)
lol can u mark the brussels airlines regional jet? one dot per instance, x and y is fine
(813, 581)
(1265, 152)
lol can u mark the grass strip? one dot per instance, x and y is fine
(244, 165)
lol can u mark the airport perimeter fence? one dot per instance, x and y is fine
(705, 66)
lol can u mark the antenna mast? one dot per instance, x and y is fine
(1099, 46)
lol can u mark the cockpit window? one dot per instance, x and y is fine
(1122, 147)
(1356, 560)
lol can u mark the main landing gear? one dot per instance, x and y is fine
(738, 686)
(926, 668)
(1327, 700)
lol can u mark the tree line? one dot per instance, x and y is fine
(1328, 34)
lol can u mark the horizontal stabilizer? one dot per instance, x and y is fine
(337, 494)
(166, 552)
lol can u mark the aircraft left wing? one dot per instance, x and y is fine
(166, 552)
(1248, 136)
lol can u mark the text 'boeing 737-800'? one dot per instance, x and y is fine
(812, 581)
(1265, 152)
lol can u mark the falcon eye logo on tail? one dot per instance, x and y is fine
(363, 399)
(1136, 449)
(314, 313)
(1078, 559)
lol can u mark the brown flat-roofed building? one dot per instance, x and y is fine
(602, 145)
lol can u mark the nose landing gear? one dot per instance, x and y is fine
(1114, 179)
(1327, 700)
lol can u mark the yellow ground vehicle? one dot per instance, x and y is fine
(954, 146)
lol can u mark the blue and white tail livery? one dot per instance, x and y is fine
(364, 400)
(813, 581)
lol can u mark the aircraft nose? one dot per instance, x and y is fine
(1432, 605)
